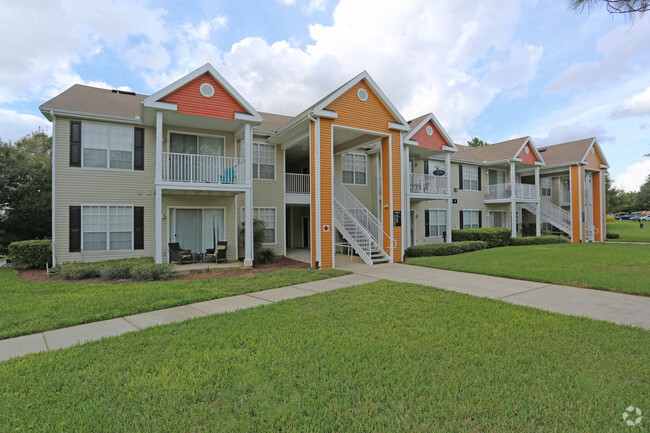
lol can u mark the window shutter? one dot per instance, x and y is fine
(138, 228)
(480, 219)
(75, 143)
(138, 147)
(426, 223)
(460, 177)
(479, 178)
(426, 167)
(461, 219)
(75, 229)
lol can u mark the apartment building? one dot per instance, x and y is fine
(195, 163)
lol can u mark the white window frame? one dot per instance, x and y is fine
(84, 141)
(444, 212)
(546, 188)
(564, 180)
(505, 218)
(498, 171)
(275, 221)
(355, 169)
(256, 156)
(470, 179)
(195, 134)
(108, 227)
(478, 216)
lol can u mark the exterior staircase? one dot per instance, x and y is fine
(360, 228)
(551, 214)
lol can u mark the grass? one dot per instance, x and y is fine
(629, 231)
(615, 267)
(383, 357)
(29, 307)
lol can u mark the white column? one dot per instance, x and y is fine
(158, 193)
(158, 189)
(448, 172)
(317, 191)
(513, 201)
(390, 190)
(538, 205)
(406, 188)
(248, 197)
(159, 145)
(54, 188)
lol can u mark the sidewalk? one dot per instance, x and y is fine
(609, 306)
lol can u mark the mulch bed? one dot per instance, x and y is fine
(39, 275)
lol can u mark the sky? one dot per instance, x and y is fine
(497, 69)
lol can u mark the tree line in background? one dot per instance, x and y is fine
(25, 188)
(621, 201)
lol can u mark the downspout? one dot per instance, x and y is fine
(53, 187)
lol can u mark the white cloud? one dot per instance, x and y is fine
(576, 131)
(15, 125)
(633, 177)
(637, 105)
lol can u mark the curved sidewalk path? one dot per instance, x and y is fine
(613, 307)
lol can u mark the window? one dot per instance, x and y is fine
(496, 177)
(566, 191)
(470, 219)
(263, 161)
(353, 168)
(107, 145)
(436, 222)
(107, 228)
(266, 214)
(497, 218)
(470, 175)
(546, 186)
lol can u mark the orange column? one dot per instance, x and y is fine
(313, 183)
(326, 191)
(386, 217)
(397, 194)
(598, 205)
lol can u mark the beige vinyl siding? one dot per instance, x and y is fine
(418, 223)
(368, 193)
(467, 199)
(75, 186)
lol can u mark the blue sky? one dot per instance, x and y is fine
(497, 70)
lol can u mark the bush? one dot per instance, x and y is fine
(610, 218)
(612, 235)
(116, 271)
(445, 249)
(265, 256)
(528, 229)
(152, 271)
(78, 271)
(31, 254)
(493, 236)
(538, 240)
(108, 269)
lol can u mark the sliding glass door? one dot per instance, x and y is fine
(197, 229)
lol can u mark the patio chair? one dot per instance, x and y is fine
(220, 255)
(228, 176)
(179, 255)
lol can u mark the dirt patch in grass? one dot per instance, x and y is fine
(40, 276)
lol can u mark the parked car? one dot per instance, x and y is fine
(625, 216)
(640, 218)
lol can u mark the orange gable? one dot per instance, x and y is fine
(189, 100)
(527, 158)
(371, 114)
(593, 159)
(433, 141)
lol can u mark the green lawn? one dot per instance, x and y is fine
(615, 267)
(630, 231)
(28, 307)
(383, 357)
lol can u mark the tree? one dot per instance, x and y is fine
(617, 200)
(477, 142)
(26, 188)
(632, 7)
(642, 199)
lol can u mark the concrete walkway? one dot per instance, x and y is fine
(613, 307)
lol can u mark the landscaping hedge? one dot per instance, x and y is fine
(493, 236)
(538, 240)
(612, 235)
(31, 254)
(142, 269)
(445, 249)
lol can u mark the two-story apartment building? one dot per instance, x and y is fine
(195, 163)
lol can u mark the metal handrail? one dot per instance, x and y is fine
(523, 191)
(428, 184)
(297, 183)
(188, 167)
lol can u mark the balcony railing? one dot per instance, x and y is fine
(428, 184)
(297, 183)
(186, 167)
(523, 191)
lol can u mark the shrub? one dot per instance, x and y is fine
(79, 271)
(108, 269)
(528, 229)
(265, 256)
(612, 235)
(445, 249)
(610, 218)
(31, 254)
(152, 271)
(538, 240)
(116, 271)
(493, 236)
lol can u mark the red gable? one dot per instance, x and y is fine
(527, 158)
(189, 100)
(435, 140)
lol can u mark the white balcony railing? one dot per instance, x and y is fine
(428, 184)
(186, 167)
(297, 183)
(523, 191)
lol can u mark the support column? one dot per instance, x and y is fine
(316, 195)
(158, 193)
(538, 205)
(406, 185)
(448, 171)
(513, 201)
(248, 197)
(158, 189)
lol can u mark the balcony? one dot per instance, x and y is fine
(203, 169)
(503, 191)
(427, 184)
(297, 188)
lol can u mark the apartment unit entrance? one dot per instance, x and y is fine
(197, 229)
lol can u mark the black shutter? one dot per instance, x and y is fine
(426, 223)
(426, 167)
(138, 141)
(75, 143)
(480, 219)
(479, 178)
(75, 229)
(138, 228)
(461, 219)
(460, 177)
